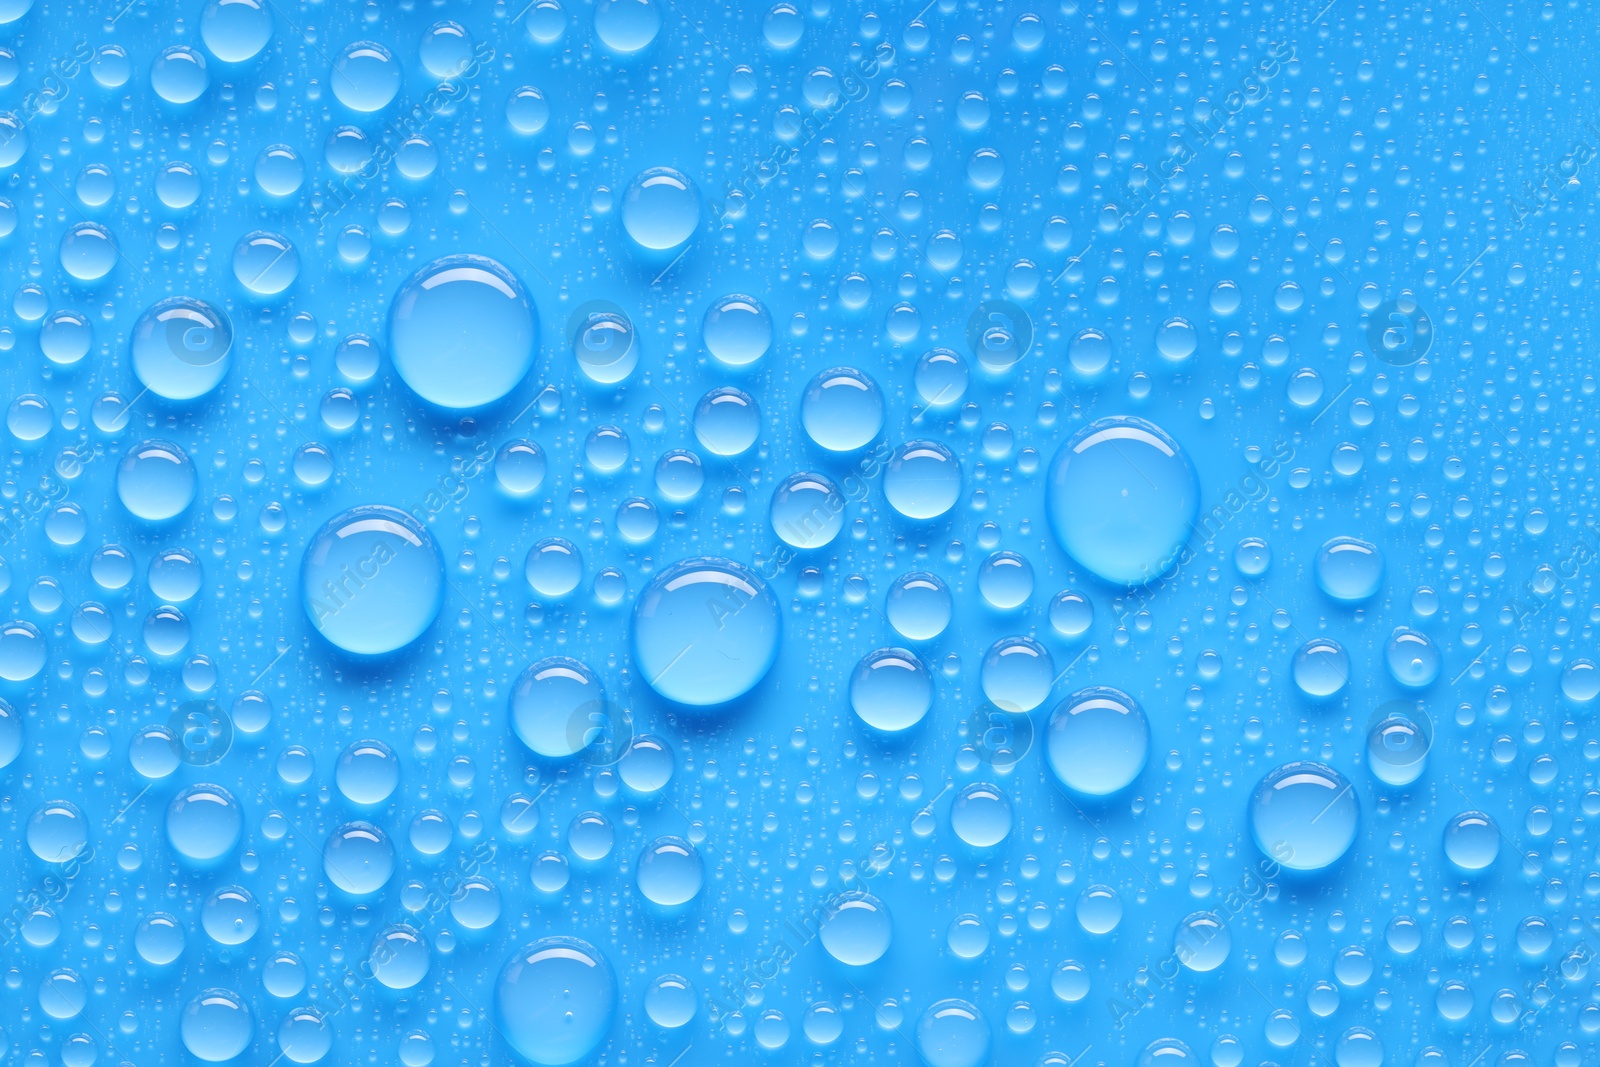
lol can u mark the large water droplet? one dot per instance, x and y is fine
(156, 481)
(462, 332)
(922, 480)
(737, 330)
(807, 510)
(181, 347)
(842, 410)
(365, 76)
(1122, 497)
(856, 929)
(555, 1000)
(216, 1026)
(1349, 569)
(705, 631)
(891, 690)
(204, 822)
(556, 707)
(669, 872)
(371, 580)
(1304, 815)
(1471, 840)
(953, 1033)
(1098, 741)
(661, 209)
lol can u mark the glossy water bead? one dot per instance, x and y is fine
(1304, 815)
(891, 690)
(555, 999)
(922, 480)
(919, 606)
(842, 410)
(371, 580)
(705, 631)
(1471, 840)
(953, 1033)
(557, 705)
(981, 815)
(736, 330)
(1321, 668)
(661, 207)
(1097, 741)
(807, 510)
(462, 331)
(857, 929)
(1398, 743)
(669, 872)
(181, 347)
(1122, 499)
(156, 481)
(1349, 569)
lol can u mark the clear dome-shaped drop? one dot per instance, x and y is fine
(606, 449)
(922, 480)
(1097, 741)
(11, 734)
(174, 575)
(554, 567)
(1304, 815)
(235, 31)
(159, 939)
(557, 707)
(669, 872)
(1580, 681)
(679, 475)
(1202, 941)
(919, 606)
(304, 1036)
(591, 836)
(1006, 581)
(1089, 352)
(1358, 1047)
(365, 76)
(1122, 498)
(953, 1033)
(371, 580)
(1176, 339)
(156, 481)
(627, 26)
(230, 915)
(57, 831)
(807, 510)
(22, 650)
(842, 410)
(216, 1026)
(1349, 570)
(265, 263)
(661, 208)
(358, 858)
(462, 332)
(1168, 1052)
(279, 170)
(1413, 659)
(891, 690)
(204, 823)
(179, 75)
(88, 251)
(66, 337)
(1398, 744)
(941, 378)
(646, 765)
(527, 110)
(670, 1001)
(1017, 674)
(1471, 840)
(519, 467)
(856, 929)
(446, 49)
(605, 346)
(727, 421)
(981, 815)
(367, 772)
(705, 631)
(400, 956)
(737, 330)
(1071, 613)
(555, 1000)
(1321, 668)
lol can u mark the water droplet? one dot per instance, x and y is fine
(371, 580)
(891, 690)
(705, 631)
(555, 1000)
(462, 332)
(1098, 741)
(1304, 815)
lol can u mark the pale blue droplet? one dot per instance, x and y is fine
(953, 1033)
(1412, 657)
(856, 929)
(1471, 840)
(365, 76)
(265, 263)
(371, 580)
(204, 823)
(661, 208)
(842, 410)
(669, 872)
(1098, 741)
(981, 815)
(555, 1000)
(807, 510)
(1348, 569)
(216, 1026)
(1304, 815)
(555, 705)
(462, 332)
(727, 421)
(156, 481)
(919, 606)
(627, 26)
(1017, 674)
(891, 690)
(358, 858)
(737, 330)
(1321, 668)
(235, 31)
(705, 631)
(179, 75)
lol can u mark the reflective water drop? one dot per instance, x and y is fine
(727, 421)
(57, 831)
(856, 929)
(891, 690)
(1202, 941)
(661, 208)
(981, 815)
(807, 510)
(1321, 668)
(279, 170)
(365, 76)
(842, 410)
(156, 481)
(371, 580)
(919, 606)
(88, 251)
(953, 1033)
(591, 836)
(159, 939)
(462, 332)
(358, 858)
(670, 1001)
(22, 651)
(605, 347)
(705, 631)
(554, 567)
(1397, 746)
(1176, 339)
(230, 915)
(367, 772)
(555, 999)
(557, 706)
(181, 347)
(1122, 498)
(304, 1036)
(519, 467)
(527, 111)
(1304, 815)
(1071, 613)
(204, 823)
(1349, 569)
(737, 330)
(1017, 674)
(941, 378)
(446, 49)
(1005, 580)
(1412, 657)
(265, 263)
(235, 31)
(179, 75)
(922, 480)
(627, 26)
(216, 1026)
(1471, 840)
(1098, 741)
(669, 872)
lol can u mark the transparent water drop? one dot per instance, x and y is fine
(1304, 815)
(705, 631)
(891, 690)
(462, 332)
(371, 580)
(1097, 741)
